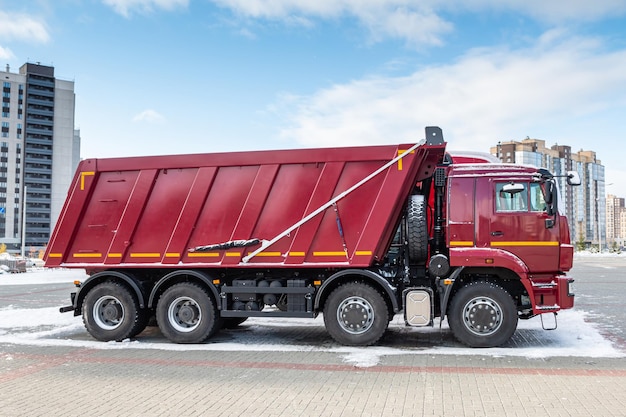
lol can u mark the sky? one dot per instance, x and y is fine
(194, 76)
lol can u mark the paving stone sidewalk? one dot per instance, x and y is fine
(44, 381)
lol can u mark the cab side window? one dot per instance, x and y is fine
(537, 200)
(508, 201)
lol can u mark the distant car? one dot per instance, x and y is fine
(14, 265)
(34, 263)
(19, 266)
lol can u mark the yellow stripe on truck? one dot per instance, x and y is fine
(464, 243)
(524, 243)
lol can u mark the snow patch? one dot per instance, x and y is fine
(44, 276)
(576, 335)
(573, 337)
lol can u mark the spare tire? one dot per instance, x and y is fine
(417, 229)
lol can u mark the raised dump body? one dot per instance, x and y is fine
(205, 241)
(216, 210)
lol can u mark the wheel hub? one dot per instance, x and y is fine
(184, 314)
(355, 315)
(112, 312)
(188, 314)
(482, 316)
(108, 312)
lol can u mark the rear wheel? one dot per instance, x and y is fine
(482, 314)
(143, 320)
(356, 314)
(187, 314)
(111, 312)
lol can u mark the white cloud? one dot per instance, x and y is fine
(419, 22)
(150, 116)
(485, 96)
(15, 26)
(126, 7)
(412, 21)
(6, 53)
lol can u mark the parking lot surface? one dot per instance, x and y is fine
(50, 365)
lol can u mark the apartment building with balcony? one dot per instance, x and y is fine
(39, 151)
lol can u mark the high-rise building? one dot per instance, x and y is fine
(615, 221)
(583, 205)
(39, 151)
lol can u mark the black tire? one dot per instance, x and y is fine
(417, 229)
(232, 322)
(482, 314)
(186, 313)
(142, 322)
(111, 312)
(355, 314)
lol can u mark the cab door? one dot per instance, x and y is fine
(518, 224)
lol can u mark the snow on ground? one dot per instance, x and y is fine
(605, 254)
(575, 335)
(37, 276)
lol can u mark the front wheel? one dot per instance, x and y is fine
(187, 314)
(482, 314)
(356, 314)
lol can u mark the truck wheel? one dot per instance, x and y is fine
(482, 314)
(186, 314)
(142, 322)
(111, 312)
(417, 229)
(356, 314)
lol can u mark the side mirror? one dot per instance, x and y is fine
(549, 192)
(551, 198)
(573, 178)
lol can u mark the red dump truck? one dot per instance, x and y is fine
(201, 242)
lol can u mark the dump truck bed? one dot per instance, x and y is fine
(216, 210)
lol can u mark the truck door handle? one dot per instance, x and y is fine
(497, 233)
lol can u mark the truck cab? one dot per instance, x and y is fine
(506, 244)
